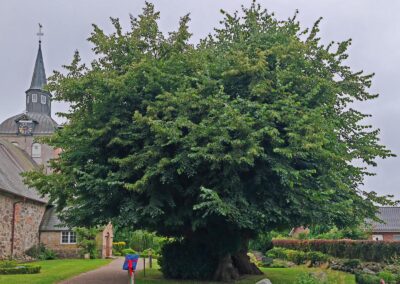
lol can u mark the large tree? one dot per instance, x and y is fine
(250, 130)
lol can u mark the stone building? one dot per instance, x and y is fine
(21, 208)
(26, 218)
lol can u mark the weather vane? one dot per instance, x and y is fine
(40, 33)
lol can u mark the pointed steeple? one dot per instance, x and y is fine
(37, 99)
(39, 74)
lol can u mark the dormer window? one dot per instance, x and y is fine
(34, 98)
(43, 99)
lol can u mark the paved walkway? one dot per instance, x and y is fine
(109, 274)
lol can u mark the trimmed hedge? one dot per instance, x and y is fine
(22, 269)
(364, 250)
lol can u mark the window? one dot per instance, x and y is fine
(34, 98)
(377, 237)
(396, 237)
(68, 237)
(27, 99)
(36, 150)
(43, 99)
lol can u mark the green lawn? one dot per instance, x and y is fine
(55, 270)
(276, 275)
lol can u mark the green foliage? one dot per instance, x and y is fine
(252, 129)
(41, 252)
(118, 247)
(128, 251)
(352, 263)
(262, 242)
(7, 268)
(316, 257)
(387, 276)
(253, 259)
(184, 260)
(277, 252)
(297, 256)
(308, 278)
(363, 278)
(364, 250)
(140, 240)
(8, 263)
(86, 240)
(333, 233)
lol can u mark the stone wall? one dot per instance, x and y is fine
(28, 215)
(52, 240)
(387, 237)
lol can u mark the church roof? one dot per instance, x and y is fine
(44, 124)
(51, 222)
(13, 162)
(39, 75)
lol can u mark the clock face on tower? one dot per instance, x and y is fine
(25, 127)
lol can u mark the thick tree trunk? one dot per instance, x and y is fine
(226, 272)
(242, 262)
(231, 267)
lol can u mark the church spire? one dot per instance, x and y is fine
(37, 99)
(39, 75)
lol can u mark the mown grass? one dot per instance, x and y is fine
(54, 271)
(276, 275)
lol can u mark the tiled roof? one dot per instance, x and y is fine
(391, 218)
(51, 222)
(44, 124)
(14, 161)
(39, 75)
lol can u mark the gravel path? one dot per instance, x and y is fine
(109, 274)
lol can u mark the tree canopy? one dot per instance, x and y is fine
(250, 130)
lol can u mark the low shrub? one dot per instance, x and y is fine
(277, 252)
(86, 241)
(350, 249)
(41, 252)
(296, 256)
(118, 247)
(352, 263)
(117, 254)
(8, 263)
(316, 257)
(346, 265)
(388, 277)
(267, 261)
(128, 251)
(363, 278)
(20, 269)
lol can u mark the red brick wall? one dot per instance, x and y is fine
(387, 237)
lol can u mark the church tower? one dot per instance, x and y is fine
(36, 120)
(38, 100)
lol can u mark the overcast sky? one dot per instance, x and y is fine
(373, 25)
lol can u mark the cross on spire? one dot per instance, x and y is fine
(40, 33)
